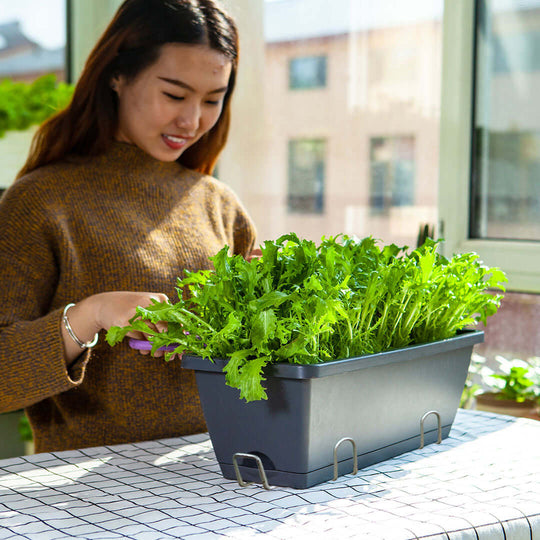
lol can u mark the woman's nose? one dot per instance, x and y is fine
(189, 117)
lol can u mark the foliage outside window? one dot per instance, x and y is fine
(392, 172)
(307, 72)
(25, 104)
(306, 176)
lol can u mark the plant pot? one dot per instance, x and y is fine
(491, 402)
(378, 401)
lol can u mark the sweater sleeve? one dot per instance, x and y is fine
(32, 363)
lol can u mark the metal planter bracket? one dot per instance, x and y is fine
(439, 427)
(258, 461)
(355, 457)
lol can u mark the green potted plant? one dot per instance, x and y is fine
(513, 390)
(314, 339)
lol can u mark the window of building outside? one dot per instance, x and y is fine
(505, 198)
(360, 155)
(32, 44)
(392, 172)
(307, 72)
(306, 176)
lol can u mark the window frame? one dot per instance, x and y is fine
(520, 259)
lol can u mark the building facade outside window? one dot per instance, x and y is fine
(306, 176)
(381, 95)
(32, 39)
(307, 72)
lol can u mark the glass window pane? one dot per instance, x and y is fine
(377, 68)
(32, 38)
(392, 173)
(307, 72)
(306, 176)
(32, 45)
(505, 201)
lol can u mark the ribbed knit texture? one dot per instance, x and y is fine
(121, 221)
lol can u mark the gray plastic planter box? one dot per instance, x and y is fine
(377, 400)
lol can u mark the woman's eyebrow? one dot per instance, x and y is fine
(181, 84)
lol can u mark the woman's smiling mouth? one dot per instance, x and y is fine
(175, 142)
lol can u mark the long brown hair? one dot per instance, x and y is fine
(131, 43)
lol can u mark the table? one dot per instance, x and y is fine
(482, 482)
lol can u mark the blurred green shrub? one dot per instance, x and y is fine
(25, 104)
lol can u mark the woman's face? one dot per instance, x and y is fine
(170, 105)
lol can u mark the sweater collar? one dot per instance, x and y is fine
(126, 156)
(131, 153)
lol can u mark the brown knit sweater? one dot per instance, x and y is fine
(121, 221)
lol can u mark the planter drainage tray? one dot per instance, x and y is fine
(320, 420)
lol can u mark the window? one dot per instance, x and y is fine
(490, 197)
(378, 65)
(32, 44)
(392, 172)
(505, 199)
(515, 50)
(306, 176)
(32, 39)
(307, 72)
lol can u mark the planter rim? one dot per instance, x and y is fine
(313, 371)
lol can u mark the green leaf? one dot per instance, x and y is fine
(250, 381)
(263, 329)
(269, 299)
(296, 347)
(232, 368)
(116, 334)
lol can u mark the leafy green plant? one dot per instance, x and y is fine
(515, 380)
(517, 386)
(306, 303)
(518, 380)
(25, 104)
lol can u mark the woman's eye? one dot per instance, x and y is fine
(213, 102)
(172, 96)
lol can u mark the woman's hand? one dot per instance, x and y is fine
(101, 311)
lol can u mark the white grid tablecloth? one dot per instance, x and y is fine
(483, 482)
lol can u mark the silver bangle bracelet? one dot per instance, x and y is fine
(81, 344)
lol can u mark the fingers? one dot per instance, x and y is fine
(161, 326)
(161, 354)
(255, 254)
(135, 334)
(158, 297)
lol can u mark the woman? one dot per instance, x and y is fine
(112, 205)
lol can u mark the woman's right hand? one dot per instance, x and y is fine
(103, 310)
